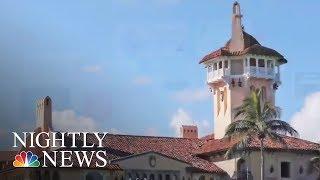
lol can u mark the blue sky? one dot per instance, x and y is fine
(131, 66)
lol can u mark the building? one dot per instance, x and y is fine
(234, 70)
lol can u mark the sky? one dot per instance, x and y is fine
(131, 66)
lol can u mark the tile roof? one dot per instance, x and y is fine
(290, 144)
(251, 46)
(178, 148)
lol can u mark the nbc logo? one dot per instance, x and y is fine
(26, 159)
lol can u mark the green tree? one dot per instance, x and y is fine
(256, 118)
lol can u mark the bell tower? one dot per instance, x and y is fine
(44, 114)
(237, 68)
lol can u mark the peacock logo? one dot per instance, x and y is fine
(26, 159)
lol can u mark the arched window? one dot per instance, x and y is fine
(220, 65)
(151, 177)
(56, 176)
(94, 176)
(168, 177)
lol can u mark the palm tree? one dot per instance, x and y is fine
(315, 164)
(256, 119)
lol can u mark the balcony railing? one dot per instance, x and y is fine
(258, 72)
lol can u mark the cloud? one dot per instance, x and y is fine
(182, 117)
(67, 120)
(142, 80)
(92, 69)
(307, 120)
(191, 95)
(179, 118)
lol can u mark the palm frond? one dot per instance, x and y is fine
(256, 118)
(239, 148)
(282, 127)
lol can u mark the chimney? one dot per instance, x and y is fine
(44, 114)
(189, 132)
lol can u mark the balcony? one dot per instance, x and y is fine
(260, 72)
(257, 72)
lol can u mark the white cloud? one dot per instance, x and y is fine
(67, 120)
(307, 120)
(142, 80)
(179, 118)
(92, 69)
(192, 95)
(182, 117)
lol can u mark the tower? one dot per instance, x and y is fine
(237, 68)
(44, 114)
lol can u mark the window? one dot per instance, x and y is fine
(167, 177)
(253, 62)
(220, 65)
(236, 67)
(285, 169)
(261, 63)
(160, 177)
(151, 176)
(209, 69)
(215, 66)
(226, 65)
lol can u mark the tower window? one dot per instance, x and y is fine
(209, 69)
(226, 65)
(253, 62)
(220, 65)
(261, 63)
(269, 63)
(285, 169)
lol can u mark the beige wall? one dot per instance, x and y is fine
(272, 158)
